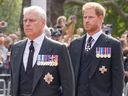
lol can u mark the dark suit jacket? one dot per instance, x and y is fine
(62, 74)
(111, 82)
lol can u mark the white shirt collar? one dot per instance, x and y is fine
(38, 40)
(95, 36)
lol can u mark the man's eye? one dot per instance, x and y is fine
(85, 17)
(32, 20)
(24, 20)
(91, 17)
(29, 20)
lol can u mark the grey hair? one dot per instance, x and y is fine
(37, 9)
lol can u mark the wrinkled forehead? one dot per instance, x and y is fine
(31, 15)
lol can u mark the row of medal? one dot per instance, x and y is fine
(47, 60)
(103, 52)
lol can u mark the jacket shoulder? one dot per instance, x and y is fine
(78, 40)
(112, 39)
(53, 42)
(18, 43)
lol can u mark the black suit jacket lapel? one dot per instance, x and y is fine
(45, 50)
(102, 40)
(77, 55)
(17, 59)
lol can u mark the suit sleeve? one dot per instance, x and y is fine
(66, 73)
(117, 70)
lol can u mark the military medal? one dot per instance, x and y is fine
(105, 52)
(55, 60)
(103, 69)
(101, 52)
(47, 60)
(97, 52)
(48, 78)
(109, 53)
(39, 60)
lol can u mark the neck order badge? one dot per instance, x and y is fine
(89, 43)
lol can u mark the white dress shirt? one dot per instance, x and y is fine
(37, 43)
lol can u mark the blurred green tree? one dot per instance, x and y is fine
(117, 13)
(10, 12)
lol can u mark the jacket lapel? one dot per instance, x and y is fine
(17, 59)
(79, 45)
(95, 61)
(45, 50)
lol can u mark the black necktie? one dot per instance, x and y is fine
(89, 43)
(30, 58)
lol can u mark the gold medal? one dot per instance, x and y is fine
(105, 55)
(98, 55)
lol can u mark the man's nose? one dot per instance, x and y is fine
(27, 22)
(87, 19)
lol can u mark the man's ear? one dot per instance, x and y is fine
(43, 22)
(101, 18)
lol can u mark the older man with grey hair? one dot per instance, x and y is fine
(40, 66)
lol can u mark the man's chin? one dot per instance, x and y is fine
(28, 34)
(87, 30)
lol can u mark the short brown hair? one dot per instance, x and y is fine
(99, 9)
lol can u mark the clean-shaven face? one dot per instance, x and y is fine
(33, 24)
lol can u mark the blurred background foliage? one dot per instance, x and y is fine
(10, 12)
(74, 8)
(117, 13)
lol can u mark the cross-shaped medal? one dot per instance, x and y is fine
(103, 69)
